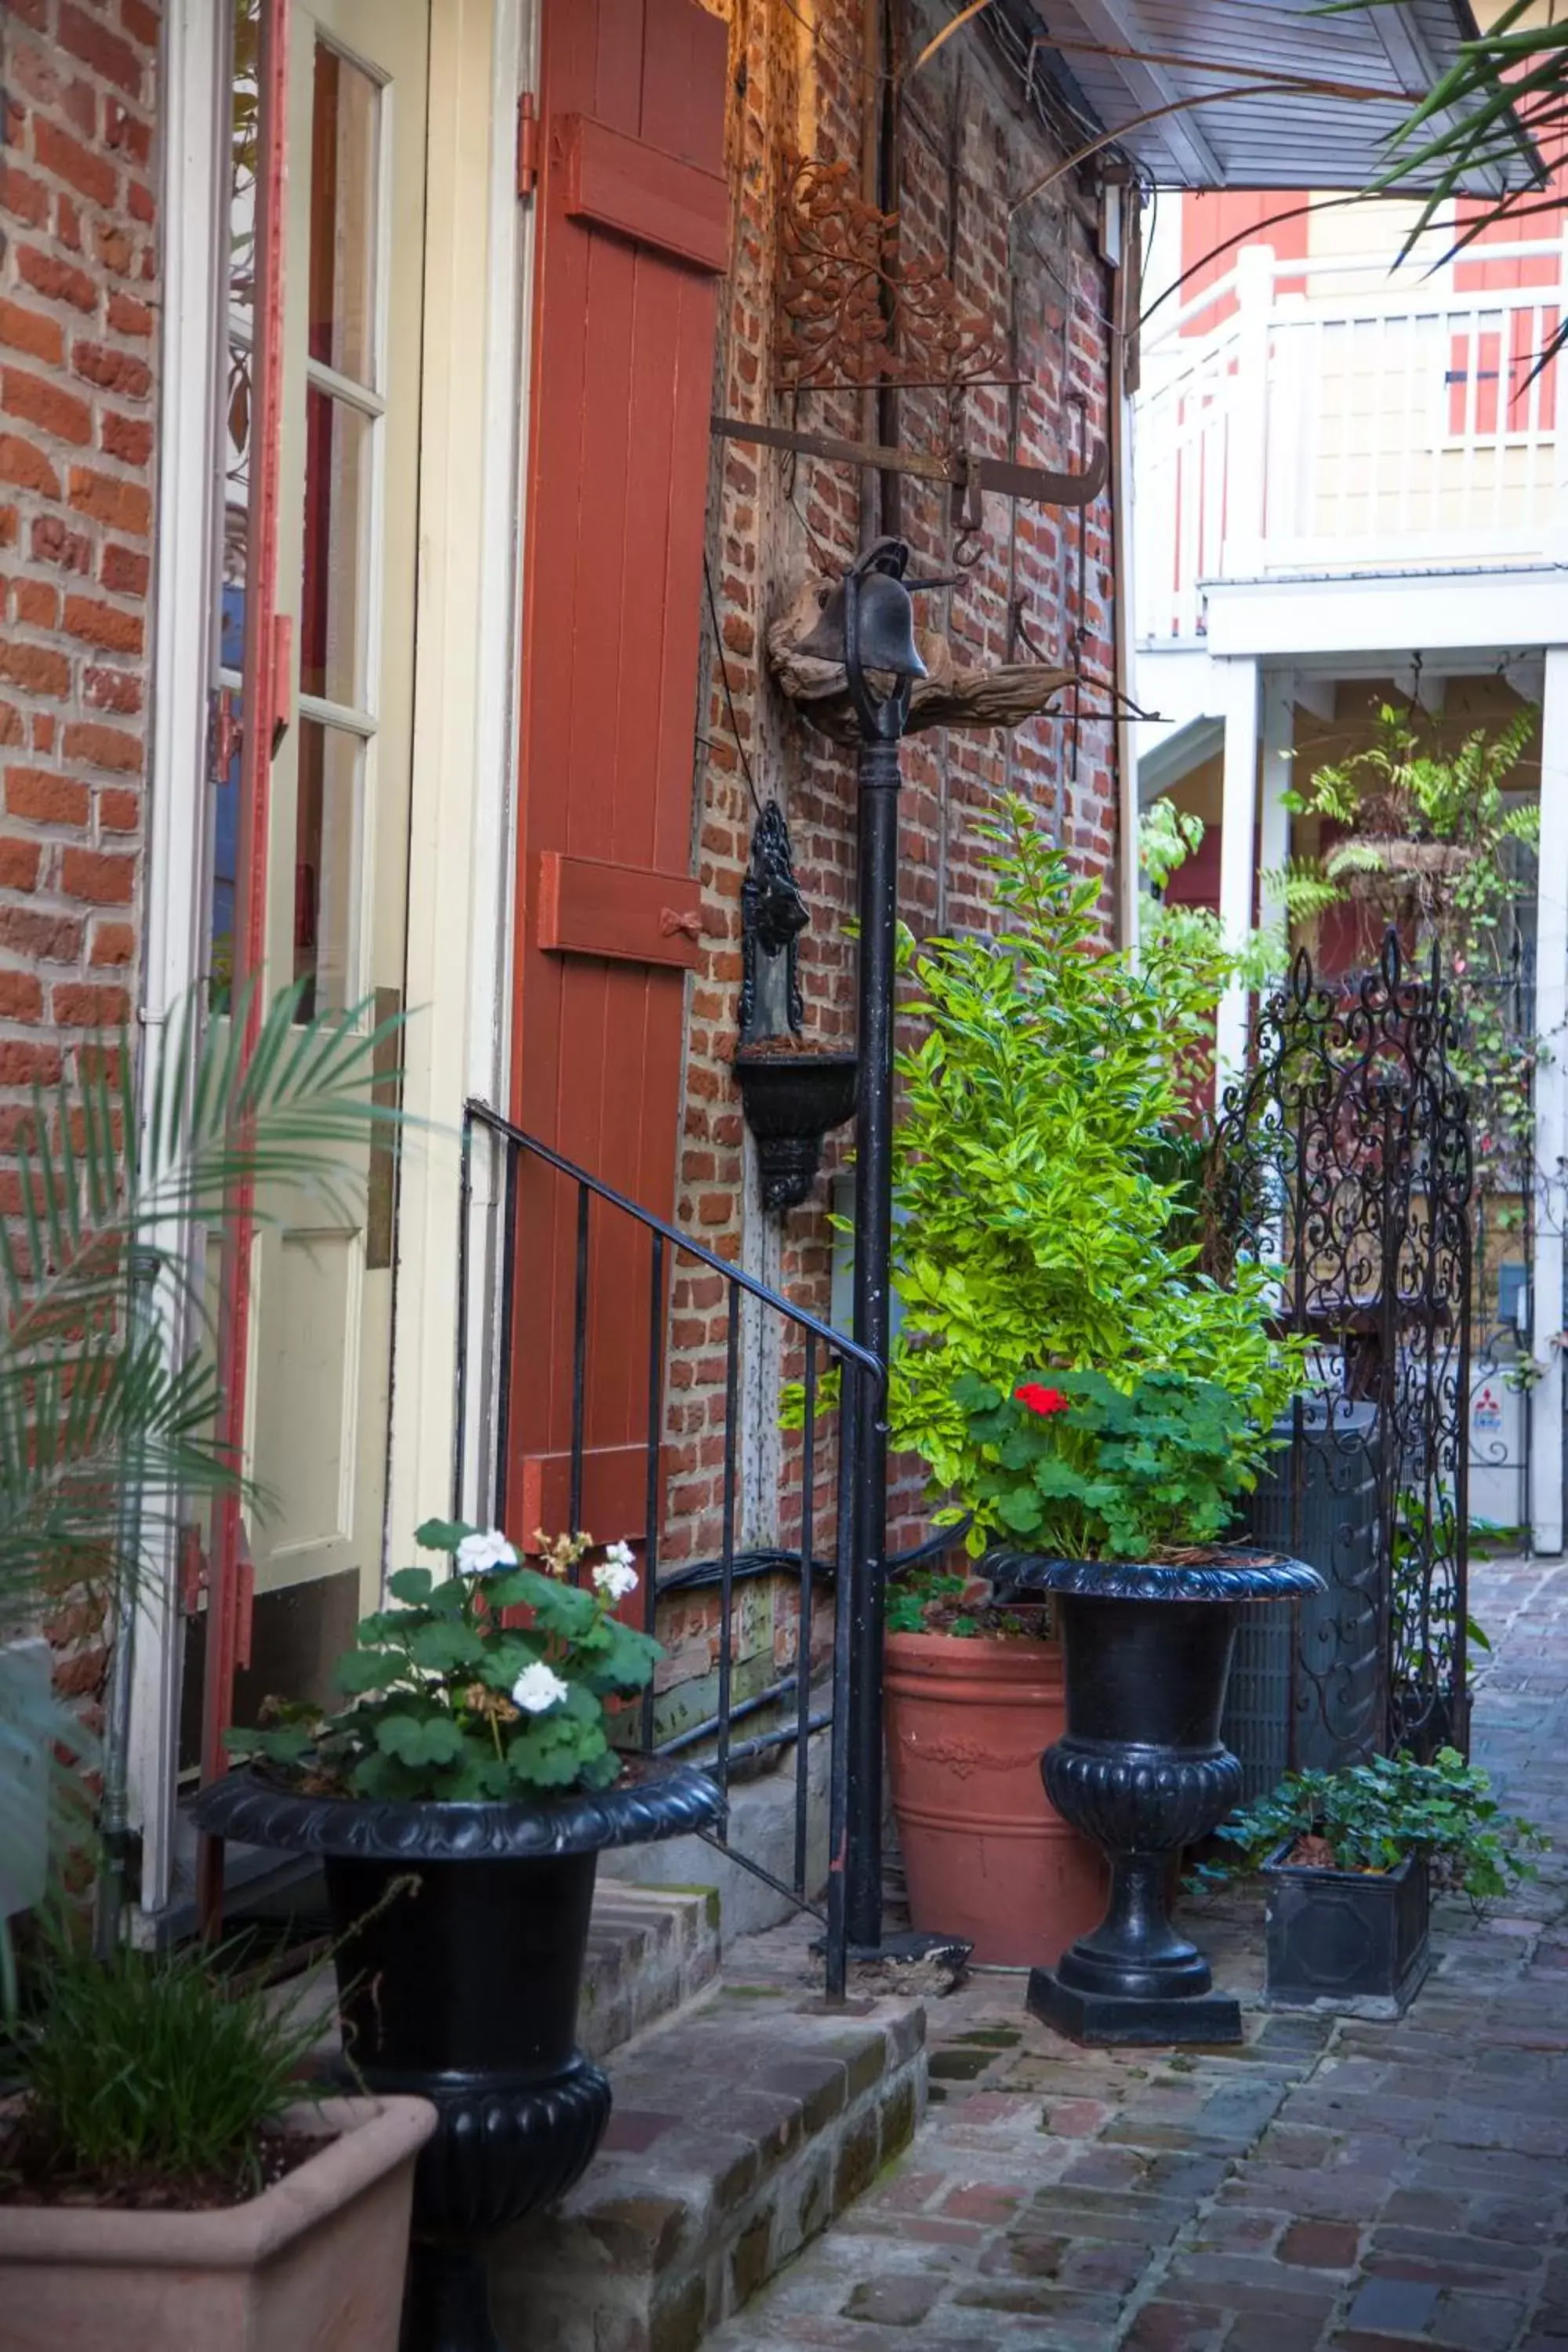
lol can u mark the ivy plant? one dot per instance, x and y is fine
(1370, 1816)
(1076, 1466)
(448, 1699)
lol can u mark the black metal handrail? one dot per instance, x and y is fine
(791, 1691)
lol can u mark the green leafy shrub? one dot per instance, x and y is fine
(1370, 1816)
(151, 2073)
(1085, 1469)
(1044, 1220)
(449, 1701)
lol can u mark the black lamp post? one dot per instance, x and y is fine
(868, 624)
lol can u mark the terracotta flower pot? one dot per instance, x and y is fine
(986, 1857)
(313, 2265)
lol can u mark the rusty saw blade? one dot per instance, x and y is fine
(966, 470)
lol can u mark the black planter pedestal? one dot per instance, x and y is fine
(1143, 1773)
(461, 1933)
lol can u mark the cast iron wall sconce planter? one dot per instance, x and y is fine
(1143, 1773)
(791, 1098)
(792, 1094)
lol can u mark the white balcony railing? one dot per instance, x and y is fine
(1402, 425)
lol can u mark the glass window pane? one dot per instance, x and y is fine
(344, 125)
(326, 867)
(338, 450)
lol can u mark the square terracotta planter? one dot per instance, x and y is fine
(313, 2265)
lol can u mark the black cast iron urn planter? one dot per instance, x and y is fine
(461, 1984)
(1143, 1773)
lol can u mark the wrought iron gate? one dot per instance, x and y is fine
(1344, 1158)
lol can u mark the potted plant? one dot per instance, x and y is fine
(165, 2183)
(1350, 1859)
(973, 1694)
(473, 1761)
(1053, 1285)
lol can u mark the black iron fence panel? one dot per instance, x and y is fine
(568, 1434)
(1343, 1160)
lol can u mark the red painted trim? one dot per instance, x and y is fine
(265, 641)
(645, 193)
(588, 908)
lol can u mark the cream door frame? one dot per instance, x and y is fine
(194, 198)
(478, 266)
(473, 430)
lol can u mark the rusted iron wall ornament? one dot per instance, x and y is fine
(853, 311)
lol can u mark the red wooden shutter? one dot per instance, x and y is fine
(633, 212)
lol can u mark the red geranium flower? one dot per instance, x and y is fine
(1040, 1399)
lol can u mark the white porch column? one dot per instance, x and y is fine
(1551, 1109)
(1238, 851)
(1278, 697)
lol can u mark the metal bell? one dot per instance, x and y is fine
(887, 617)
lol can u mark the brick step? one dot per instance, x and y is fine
(649, 1949)
(745, 2123)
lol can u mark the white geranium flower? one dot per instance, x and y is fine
(538, 1688)
(480, 1554)
(615, 1577)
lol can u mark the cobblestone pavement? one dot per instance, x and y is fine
(1333, 2186)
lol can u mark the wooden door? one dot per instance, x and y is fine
(633, 215)
(320, 1384)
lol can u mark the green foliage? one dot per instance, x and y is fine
(1393, 792)
(1506, 88)
(448, 1701)
(1185, 946)
(1033, 1229)
(1371, 1815)
(913, 1597)
(107, 1414)
(151, 2070)
(1118, 1473)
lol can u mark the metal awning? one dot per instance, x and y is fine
(1135, 66)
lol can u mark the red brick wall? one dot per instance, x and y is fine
(78, 293)
(968, 147)
(79, 343)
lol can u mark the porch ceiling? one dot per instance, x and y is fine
(1381, 60)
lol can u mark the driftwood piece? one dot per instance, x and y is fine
(1003, 694)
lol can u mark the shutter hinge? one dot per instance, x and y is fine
(527, 144)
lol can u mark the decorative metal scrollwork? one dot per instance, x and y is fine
(854, 310)
(1344, 1159)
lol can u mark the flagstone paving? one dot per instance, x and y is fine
(1331, 2185)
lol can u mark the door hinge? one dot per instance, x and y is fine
(225, 732)
(527, 144)
(194, 1580)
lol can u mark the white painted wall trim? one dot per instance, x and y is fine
(1474, 612)
(1237, 854)
(1277, 773)
(193, 117)
(479, 265)
(1551, 1110)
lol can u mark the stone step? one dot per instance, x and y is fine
(743, 2124)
